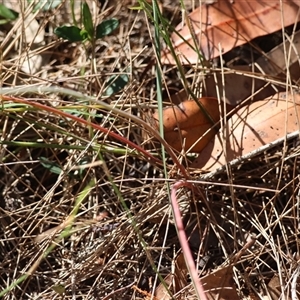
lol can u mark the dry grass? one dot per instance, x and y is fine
(106, 254)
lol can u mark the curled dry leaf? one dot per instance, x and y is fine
(230, 24)
(187, 125)
(276, 61)
(238, 87)
(252, 127)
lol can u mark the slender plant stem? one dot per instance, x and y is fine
(73, 12)
(184, 243)
(78, 95)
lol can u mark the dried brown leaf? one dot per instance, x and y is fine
(220, 285)
(274, 288)
(253, 126)
(238, 87)
(186, 123)
(229, 24)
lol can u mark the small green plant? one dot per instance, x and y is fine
(88, 32)
(7, 15)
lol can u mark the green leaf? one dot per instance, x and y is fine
(49, 165)
(106, 28)
(7, 13)
(70, 33)
(116, 83)
(45, 5)
(87, 20)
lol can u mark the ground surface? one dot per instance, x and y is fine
(123, 226)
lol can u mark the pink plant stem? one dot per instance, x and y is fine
(184, 242)
(82, 121)
(100, 128)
